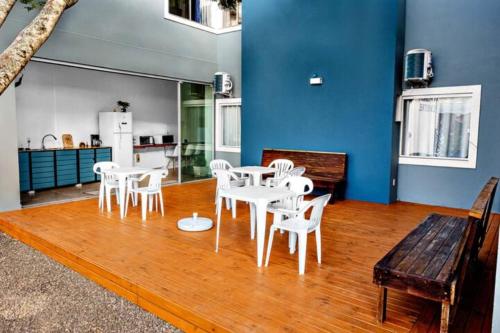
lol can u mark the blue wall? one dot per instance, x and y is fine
(464, 37)
(353, 45)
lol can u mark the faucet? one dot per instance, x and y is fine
(43, 139)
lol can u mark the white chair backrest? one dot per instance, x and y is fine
(318, 204)
(301, 186)
(99, 167)
(155, 178)
(173, 152)
(282, 166)
(219, 164)
(224, 178)
(190, 150)
(298, 171)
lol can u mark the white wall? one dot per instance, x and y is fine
(9, 169)
(58, 99)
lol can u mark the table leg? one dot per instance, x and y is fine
(260, 208)
(122, 184)
(252, 220)
(381, 303)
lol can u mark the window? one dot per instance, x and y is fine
(228, 124)
(440, 126)
(204, 14)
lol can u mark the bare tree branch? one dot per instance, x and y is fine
(5, 7)
(29, 40)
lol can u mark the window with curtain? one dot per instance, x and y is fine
(204, 14)
(228, 124)
(440, 126)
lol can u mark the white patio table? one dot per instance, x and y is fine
(255, 172)
(258, 197)
(122, 174)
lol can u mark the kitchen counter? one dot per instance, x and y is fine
(55, 149)
(156, 145)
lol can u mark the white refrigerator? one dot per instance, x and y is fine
(115, 131)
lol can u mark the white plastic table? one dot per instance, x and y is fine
(122, 175)
(258, 197)
(255, 172)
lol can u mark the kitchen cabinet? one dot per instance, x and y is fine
(45, 169)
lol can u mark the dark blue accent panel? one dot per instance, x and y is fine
(354, 46)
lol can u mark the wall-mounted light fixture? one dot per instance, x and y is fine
(316, 80)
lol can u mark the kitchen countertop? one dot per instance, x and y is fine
(52, 149)
(156, 145)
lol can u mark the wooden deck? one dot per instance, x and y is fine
(179, 277)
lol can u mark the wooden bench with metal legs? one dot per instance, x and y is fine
(432, 260)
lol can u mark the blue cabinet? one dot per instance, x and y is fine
(87, 161)
(48, 169)
(24, 171)
(43, 170)
(66, 170)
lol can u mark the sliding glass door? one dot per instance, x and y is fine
(197, 130)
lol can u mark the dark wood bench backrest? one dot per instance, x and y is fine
(480, 212)
(315, 162)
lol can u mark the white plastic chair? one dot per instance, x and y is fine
(172, 155)
(282, 167)
(99, 169)
(302, 227)
(236, 181)
(149, 192)
(296, 172)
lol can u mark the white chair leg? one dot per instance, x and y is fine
(101, 196)
(144, 205)
(156, 202)
(302, 251)
(161, 203)
(117, 195)
(318, 244)
(292, 241)
(270, 244)
(233, 208)
(219, 208)
(127, 198)
(151, 202)
(108, 198)
(228, 203)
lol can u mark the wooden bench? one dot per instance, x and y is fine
(327, 170)
(432, 260)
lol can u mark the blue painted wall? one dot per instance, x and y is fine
(464, 37)
(353, 45)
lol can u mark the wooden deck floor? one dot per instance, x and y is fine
(178, 275)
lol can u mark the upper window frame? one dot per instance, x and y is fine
(196, 25)
(218, 124)
(474, 91)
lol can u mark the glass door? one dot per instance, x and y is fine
(197, 131)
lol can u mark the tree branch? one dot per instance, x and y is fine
(5, 7)
(29, 40)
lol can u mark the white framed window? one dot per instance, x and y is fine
(440, 126)
(228, 125)
(204, 14)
